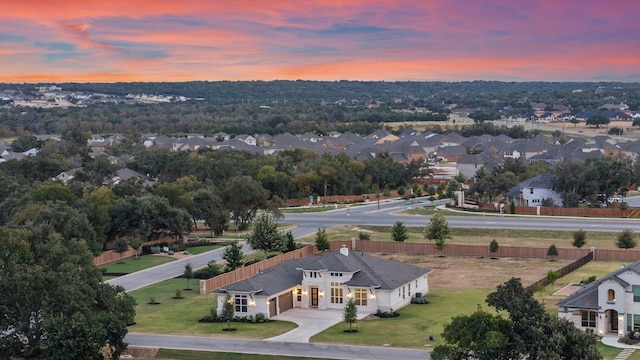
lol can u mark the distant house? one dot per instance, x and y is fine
(534, 191)
(66, 176)
(328, 281)
(126, 174)
(609, 305)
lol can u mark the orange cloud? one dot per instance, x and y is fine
(164, 40)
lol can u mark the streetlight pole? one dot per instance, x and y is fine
(378, 196)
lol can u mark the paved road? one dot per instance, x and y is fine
(169, 270)
(369, 214)
(326, 351)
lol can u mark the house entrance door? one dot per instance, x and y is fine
(314, 296)
(613, 318)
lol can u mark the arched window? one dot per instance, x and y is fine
(611, 295)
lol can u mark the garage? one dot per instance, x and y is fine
(286, 301)
(272, 307)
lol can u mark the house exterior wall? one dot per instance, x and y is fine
(401, 296)
(538, 195)
(468, 170)
(631, 307)
(617, 303)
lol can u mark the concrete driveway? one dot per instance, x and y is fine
(309, 321)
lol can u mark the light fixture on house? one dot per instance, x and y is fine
(321, 293)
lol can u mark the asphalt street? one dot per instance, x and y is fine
(386, 213)
(326, 351)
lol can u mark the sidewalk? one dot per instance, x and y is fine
(613, 342)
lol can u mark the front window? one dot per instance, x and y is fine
(588, 318)
(636, 293)
(611, 295)
(299, 294)
(360, 297)
(336, 293)
(241, 303)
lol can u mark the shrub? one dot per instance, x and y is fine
(178, 294)
(364, 236)
(149, 249)
(588, 280)
(386, 314)
(260, 317)
(419, 300)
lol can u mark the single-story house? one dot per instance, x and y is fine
(608, 305)
(328, 281)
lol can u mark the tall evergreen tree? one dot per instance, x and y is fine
(233, 255)
(322, 240)
(399, 232)
(265, 235)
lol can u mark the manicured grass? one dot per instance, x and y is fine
(133, 264)
(414, 325)
(610, 353)
(180, 316)
(195, 250)
(431, 210)
(168, 354)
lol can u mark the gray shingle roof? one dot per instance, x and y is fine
(370, 272)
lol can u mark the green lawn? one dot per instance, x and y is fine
(180, 316)
(201, 249)
(431, 210)
(414, 325)
(133, 264)
(610, 353)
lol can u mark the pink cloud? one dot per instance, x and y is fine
(322, 39)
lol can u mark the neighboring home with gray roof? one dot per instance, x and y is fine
(608, 305)
(328, 281)
(534, 191)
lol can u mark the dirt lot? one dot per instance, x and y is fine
(477, 273)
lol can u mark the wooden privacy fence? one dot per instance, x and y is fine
(561, 211)
(109, 256)
(563, 271)
(330, 199)
(483, 251)
(217, 282)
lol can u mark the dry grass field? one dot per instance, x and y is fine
(477, 273)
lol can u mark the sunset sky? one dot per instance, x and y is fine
(395, 40)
